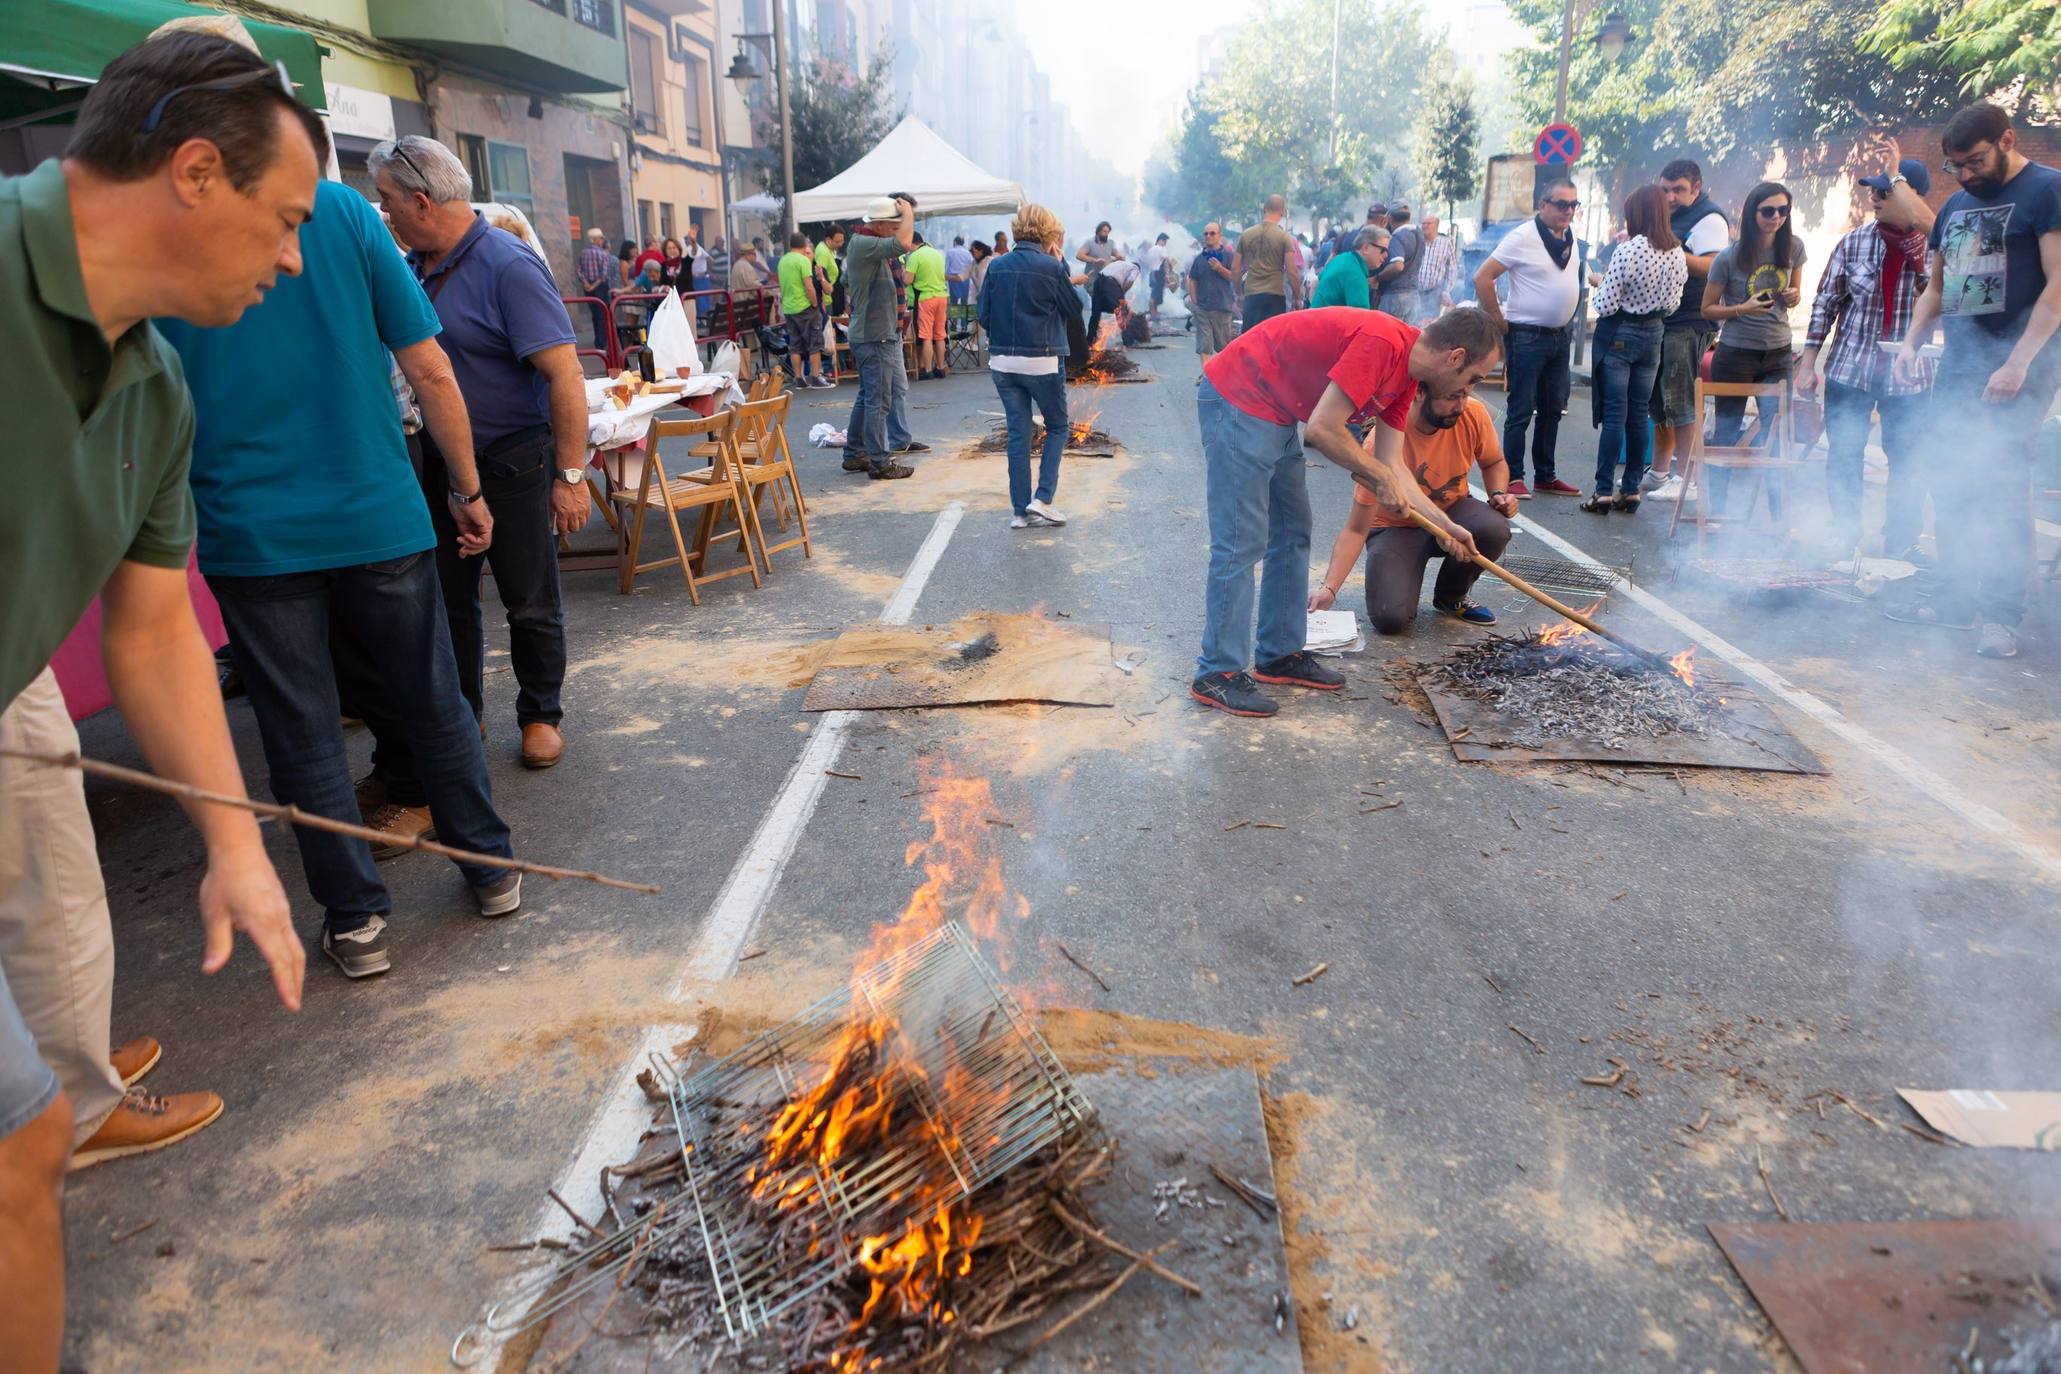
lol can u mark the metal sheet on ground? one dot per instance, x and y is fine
(1756, 739)
(1167, 1127)
(1901, 1295)
(985, 657)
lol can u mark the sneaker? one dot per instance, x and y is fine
(1932, 614)
(888, 472)
(1553, 486)
(1232, 692)
(1050, 516)
(857, 465)
(1467, 611)
(359, 953)
(1670, 489)
(404, 823)
(145, 1122)
(502, 897)
(1029, 520)
(1520, 491)
(1997, 641)
(1651, 482)
(1300, 669)
(913, 446)
(135, 1058)
(824, 384)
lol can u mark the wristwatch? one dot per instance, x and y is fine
(1899, 177)
(572, 477)
(459, 498)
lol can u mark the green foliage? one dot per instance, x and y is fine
(1992, 44)
(1722, 76)
(1447, 158)
(1265, 125)
(838, 117)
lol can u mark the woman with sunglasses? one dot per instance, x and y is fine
(1642, 284)
(1752, 287)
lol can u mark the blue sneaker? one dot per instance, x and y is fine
(1467, 611)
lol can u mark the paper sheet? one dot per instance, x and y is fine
(1333, 632)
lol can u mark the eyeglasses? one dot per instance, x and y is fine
(1568, 205)
(276, 72)
(1773, 212)
(1953, 167)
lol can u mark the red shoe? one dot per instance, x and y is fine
(1520, 491)
(1556, 487)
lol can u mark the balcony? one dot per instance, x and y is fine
(560, 45)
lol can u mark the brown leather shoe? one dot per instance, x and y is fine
(371, 793)
(404, 822)
(146, 1122)
(542, 745)
(136, 1058)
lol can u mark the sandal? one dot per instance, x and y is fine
(1626, 505)
(1599, 504)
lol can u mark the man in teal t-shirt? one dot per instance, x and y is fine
(926, 268)
(801, 302)
(1346, 277)
(313, 533)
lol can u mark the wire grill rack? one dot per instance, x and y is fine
(1572, 580)
(1010, 1099)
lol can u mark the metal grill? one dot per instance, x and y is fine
(954, 1020)
(1570, 579)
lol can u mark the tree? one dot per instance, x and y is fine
(1993, 44)
(1195, 179)
(1447, 158)
(838, 116)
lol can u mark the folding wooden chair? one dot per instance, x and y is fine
(764, 461)
(708, 491)
(1773, 455)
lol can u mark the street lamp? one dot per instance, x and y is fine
(1611, 41)
(744, 71)
(1614, 37)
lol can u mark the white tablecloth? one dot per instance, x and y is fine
(609, 428)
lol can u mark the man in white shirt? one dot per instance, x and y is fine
(1542, 294)
(1704, 232)
(1106, 292)
(1154, 260)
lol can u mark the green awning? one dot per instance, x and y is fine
(50, 50)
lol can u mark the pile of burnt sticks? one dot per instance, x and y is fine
(1082, 440)
(1027, 1244)
(1554, 685)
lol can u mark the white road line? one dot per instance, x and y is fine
(612, 1135)
(1982, 817)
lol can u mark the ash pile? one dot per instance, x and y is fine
(888, 1182)
(1106, 364)
(1083, 439)
(1562, 682)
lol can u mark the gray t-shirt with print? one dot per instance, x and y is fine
(1755, 331)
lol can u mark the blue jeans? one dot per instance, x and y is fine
(880, 412)
(1848, 411)
(388, 619)
(1539, 381)
(1018, 390)
(1625, 370)
(1259, 508)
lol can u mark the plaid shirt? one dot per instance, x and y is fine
(595, 264)
(404, 399)
(1435, 272)
(1850, 296)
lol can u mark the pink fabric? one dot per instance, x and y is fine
(82, 675)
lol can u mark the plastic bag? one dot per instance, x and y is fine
(727, 359)
(671, 338)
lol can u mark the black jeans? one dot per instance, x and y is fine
(1260, 306)
(1397, 554)
(1538, 381)
(1731, 364)
(1104, 295)
(1847, 412)
(382, 626)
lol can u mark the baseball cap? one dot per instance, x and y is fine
(883, 207)
(1912, 171)
(1376, 209)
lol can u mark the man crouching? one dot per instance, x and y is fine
(1447, 437)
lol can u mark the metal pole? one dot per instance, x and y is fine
(787, 125)
(1566, 56)
(1331, 158)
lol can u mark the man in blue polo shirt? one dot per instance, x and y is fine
(312, 524)
(511, 344)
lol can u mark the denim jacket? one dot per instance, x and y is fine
(1023, 303)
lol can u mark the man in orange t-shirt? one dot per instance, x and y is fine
(1445, 438)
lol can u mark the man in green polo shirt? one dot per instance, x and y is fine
(188, 175)
(828, 249)
(801, 304)
(926, 269)
(1347, 279)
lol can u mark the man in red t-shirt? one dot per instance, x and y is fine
(1323, 369)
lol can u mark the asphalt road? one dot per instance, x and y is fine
(1742, 941)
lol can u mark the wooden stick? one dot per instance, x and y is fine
(1090, 1305)
(1769, 1183)
(293, 815)
(1081, 966)
(1567, 612)
(1074, 1223)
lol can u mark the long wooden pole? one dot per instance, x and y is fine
(293, 815)
(1549, 602)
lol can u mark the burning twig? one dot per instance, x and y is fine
(1312, 976)
(1769, 1183)
(1081, 966)
(1559, 683)
(293, 815)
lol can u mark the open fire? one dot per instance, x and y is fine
(1562, 682)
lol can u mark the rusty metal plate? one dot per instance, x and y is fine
(1901, 1295)
(985, 657)
(1755, 739)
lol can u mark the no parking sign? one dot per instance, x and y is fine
(1557, 144)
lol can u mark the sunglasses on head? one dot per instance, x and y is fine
(1569, 205)
(275, 72)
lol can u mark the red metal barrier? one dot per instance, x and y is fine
(610, 350)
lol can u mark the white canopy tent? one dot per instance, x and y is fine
(912, 158)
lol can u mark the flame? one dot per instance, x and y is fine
(1684, 665)
(1562, 633)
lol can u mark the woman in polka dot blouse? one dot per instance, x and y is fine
(1643, 282)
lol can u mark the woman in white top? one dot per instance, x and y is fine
(1642, 284)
